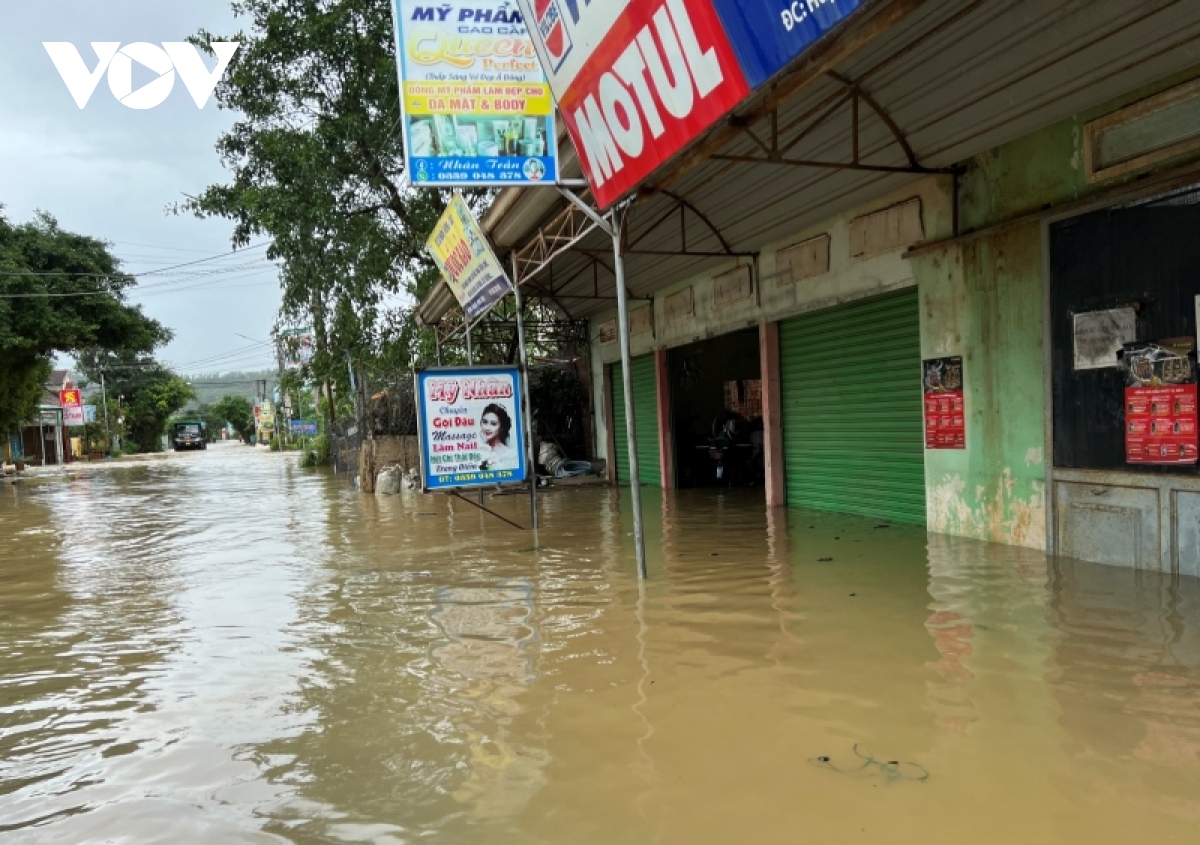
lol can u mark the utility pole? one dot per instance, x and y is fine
(104, 400)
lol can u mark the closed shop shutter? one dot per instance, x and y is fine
(645, 412)
(852, 413)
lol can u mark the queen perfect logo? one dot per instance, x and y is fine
(553, 31)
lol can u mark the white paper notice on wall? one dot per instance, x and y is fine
(1099, 336)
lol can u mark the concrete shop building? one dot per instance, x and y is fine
(930, 181)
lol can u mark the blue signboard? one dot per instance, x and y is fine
(307, 427)
(472, 431)
(767, 34)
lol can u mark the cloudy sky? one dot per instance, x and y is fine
(110, 171)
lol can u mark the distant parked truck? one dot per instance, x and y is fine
(189, 434)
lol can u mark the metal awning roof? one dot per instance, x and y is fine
(932, 84)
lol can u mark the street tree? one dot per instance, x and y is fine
(143, 393)
(316, 166)
(238, 412)
(60, 292)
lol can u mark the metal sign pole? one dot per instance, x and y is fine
(524, 359)
(635, 482)
(470, 354)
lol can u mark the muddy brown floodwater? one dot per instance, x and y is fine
(222, 647)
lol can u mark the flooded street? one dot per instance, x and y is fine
(222, 647)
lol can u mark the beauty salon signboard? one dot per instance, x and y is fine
(471, 428)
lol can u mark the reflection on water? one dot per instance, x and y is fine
(222, 647)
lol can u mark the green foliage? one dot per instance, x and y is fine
(557, 404)
(238, 412)
(59, 292)
(143, 394)
(317, 453)
(316, 166)
(152, 395)
(21, 387)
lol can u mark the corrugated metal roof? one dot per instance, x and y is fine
(958, 77)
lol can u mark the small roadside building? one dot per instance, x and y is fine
(896, 254)
(44, 441)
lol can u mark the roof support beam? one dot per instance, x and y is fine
(775, 154)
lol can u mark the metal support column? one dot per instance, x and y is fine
(530, 457)
(437, 345)
(635, 482)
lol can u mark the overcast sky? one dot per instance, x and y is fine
(110, 171)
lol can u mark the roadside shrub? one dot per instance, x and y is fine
(316, 453)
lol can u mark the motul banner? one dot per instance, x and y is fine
(636, 81)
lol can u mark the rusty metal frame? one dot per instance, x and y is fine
(855, 96)
(566, 230)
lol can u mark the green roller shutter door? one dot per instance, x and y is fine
(852, 414)
(645, 413)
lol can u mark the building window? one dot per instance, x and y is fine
(1144, 134)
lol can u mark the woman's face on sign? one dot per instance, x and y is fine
(489, 423)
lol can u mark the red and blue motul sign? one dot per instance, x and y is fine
(636, 81)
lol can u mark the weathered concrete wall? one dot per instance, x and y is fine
(847, 279)
(983, 300)
(376, 454)
(981, 297)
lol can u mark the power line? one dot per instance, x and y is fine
(157, 246)
(203, 260)
(70, 275)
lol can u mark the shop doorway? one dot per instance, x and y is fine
(852, 421)
(1126, 479)
(716, 412)
(645, 415)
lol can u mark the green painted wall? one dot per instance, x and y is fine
(982, 299)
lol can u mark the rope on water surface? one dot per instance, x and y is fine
(893, 770)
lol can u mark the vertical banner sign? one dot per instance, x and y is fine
(461, 251)
(475, 104)
(637, 81)
(296, 348)
(72, 407)
(945, 409)
(1160, 406)
(471, 427)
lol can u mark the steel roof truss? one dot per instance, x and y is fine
(855, 96)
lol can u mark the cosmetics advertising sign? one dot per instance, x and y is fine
(475, 105)
(637, 81)
(471, 427)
